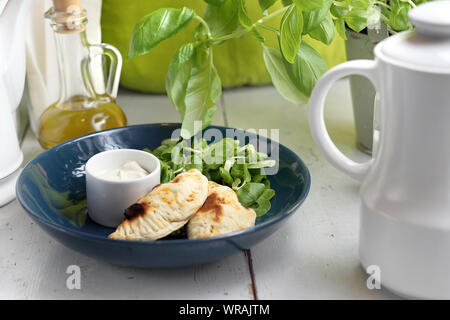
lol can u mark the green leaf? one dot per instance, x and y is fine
(359, 19)
(243, 16)
(339, 9)
(219, 152)
(193, 86)
(262, 164)
(325, 31)
(312, 19)
(340, 28)
(308, 5)
(398, 17)
(307, 69)
(266, 4)
(215, 2)
(275, 65)
(291, 32)
(250, 193)
(358, 4)
(255, 33)
(226, 176)
(239, 170)
(286, 2)
(156, 27)
(263, 205)
(224, 19)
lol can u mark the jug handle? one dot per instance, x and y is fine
(366, 68)
(115, 67)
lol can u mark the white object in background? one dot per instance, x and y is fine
(42, 68)
(108, 199)
(405, 192)
(2, 5)
(12, 79)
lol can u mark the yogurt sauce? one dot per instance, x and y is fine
(128, 171)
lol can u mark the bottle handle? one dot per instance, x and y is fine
(366, 68)
(115, 65)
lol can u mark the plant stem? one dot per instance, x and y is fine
(273, 14)
(203, 22)
(382, 4)
(230, 36)
(245, 31)
(266, 27)
(412, 4)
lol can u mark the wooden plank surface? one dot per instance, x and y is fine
(315, 254)
(33, 266)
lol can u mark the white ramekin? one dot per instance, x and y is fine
(107, 200)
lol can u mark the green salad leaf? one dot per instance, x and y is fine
(225, 162)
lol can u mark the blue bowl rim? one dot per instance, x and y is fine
(229, 236)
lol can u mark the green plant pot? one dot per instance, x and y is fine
(360, 46)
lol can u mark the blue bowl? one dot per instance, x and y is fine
(51, 189)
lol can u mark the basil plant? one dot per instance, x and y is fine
(193, 84)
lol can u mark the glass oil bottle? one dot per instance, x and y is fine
(86, 101)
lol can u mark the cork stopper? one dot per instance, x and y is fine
(67, 16)
(67, 6)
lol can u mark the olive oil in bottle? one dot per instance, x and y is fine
(86, 101)
(61, 122)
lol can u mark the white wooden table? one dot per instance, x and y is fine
(313, 256)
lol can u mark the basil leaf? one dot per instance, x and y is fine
(307, 68)
(398, 17)
(325, 31)
(308, 5)
(255, 33)
(339, 11)
(312, 19)
(224, 19)
(243, 16)
(266, 4)
(275, 65)
(359, 4)
(291, 32)
(250, 193)
(340, 28)
(156, 27)
(193, 86)
(359, 19)
(215, 2)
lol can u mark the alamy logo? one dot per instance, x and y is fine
(73, 281)
(374, 280)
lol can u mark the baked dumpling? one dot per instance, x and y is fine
(220, 214)
(167, 208)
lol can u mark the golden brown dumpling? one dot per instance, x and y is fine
(220, 214)
(165, 209)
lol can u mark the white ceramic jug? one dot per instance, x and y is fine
(12, 78)
(405, 192)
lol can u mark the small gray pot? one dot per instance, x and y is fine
(360, 46)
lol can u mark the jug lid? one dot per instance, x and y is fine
(427, 48)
